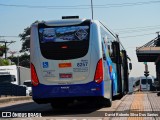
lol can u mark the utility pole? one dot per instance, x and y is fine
(92, 8)
(5, 44)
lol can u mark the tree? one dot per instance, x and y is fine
(2, 50)
(25, 38)
(23, 60)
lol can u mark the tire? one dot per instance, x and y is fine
(107, 102)
(104, 102)
(30, 94)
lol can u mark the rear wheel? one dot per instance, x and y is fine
(107, 102)
(104, 102)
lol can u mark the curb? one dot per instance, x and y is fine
(18, 98)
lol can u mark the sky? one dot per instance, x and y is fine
(135, 21)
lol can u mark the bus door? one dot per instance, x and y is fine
(117, 59)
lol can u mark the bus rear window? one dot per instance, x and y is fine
(64, 42)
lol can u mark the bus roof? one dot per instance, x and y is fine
(63, 22)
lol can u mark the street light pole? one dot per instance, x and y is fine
(92, 8)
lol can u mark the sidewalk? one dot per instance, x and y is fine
(140, 106)
(14, 98)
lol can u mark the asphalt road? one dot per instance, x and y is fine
(140, 101)
(74, 110)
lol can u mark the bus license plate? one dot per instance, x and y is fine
(65, 75)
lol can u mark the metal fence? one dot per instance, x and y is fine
(12, 89)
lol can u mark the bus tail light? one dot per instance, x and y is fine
(34, 76)
(98, 78)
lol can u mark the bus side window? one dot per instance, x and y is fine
(109, 50)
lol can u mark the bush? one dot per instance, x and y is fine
(4, 62)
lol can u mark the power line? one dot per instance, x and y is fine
(138, 30)
(82, 6)
(10, 36)
(136, 35)
(120, 37)
(128, 4)
(121, 29)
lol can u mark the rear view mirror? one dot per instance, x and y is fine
(130, 66)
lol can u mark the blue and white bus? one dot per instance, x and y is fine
(76, 59)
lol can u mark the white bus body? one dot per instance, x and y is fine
(71, 59)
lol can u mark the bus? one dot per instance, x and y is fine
(145, 84)
(75, 60)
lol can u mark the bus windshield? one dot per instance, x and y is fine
(64, 42)
(143, 81)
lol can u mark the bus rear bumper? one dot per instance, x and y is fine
(47, 93)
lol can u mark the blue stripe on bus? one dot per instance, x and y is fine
(113, 74)
(77, 90)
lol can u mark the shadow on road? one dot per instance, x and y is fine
(75, 109)
(78, 109)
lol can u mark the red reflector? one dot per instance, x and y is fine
(34, 76)
(64, 47)
(97, 89)
(65, 75)
(98, 78)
